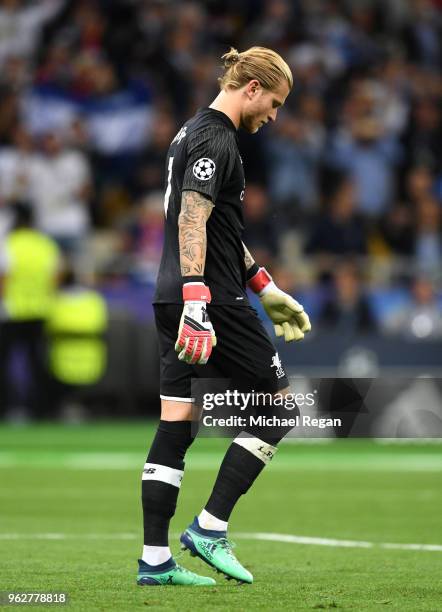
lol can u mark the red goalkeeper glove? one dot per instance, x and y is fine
(196, 336)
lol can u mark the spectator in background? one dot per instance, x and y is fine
(144, 233)
(21, 25)
(29, 266)
(428, 244)
(274, 26)
(340, 230)
(361, 48)
(118, 113)
(86, 26)
(364, 150)
(57, 67)
(294, 152)
(16, 167)
(392, 94)
(419, 184)
(421, 319)
(183, 36)
(9, 112)
(423, 137)
(260, 233)
(426, 213)
(61, 189)
(422, 34)
(15, 74)
(151, 171)
(204, 74)
(347, 311)
(308, 62)
(396, 229)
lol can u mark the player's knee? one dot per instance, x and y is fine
(174, 411)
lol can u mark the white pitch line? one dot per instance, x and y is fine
(269, 537)
(293, 539)
(69, 536)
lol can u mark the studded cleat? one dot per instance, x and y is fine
(214, 548)
(169, 573)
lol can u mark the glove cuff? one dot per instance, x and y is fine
(196, 292)
(259, 281)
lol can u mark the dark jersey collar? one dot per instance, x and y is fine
(222, 117)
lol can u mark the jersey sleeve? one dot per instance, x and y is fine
(210, 158)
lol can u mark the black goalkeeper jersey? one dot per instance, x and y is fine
(204, 157)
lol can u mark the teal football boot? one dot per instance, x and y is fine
(169, 573)
(214, 548)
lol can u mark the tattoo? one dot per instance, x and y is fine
(195, 211)
(248, 259)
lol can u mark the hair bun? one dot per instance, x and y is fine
(230, 58)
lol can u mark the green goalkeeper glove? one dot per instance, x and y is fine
(288, 316)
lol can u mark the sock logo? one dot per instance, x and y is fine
(266, 452)
(162, 473)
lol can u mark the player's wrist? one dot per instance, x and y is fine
(195, 290)
(193, 279)
(259, 280)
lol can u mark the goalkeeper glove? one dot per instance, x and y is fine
(196, 336)
(288, 316)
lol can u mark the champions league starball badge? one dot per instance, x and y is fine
(204, 169)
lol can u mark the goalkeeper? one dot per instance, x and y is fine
(206, 326)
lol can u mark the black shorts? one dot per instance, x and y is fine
(244, 352)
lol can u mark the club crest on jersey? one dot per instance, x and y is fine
(276, 363)
(204, 169)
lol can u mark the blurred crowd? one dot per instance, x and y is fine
(344, 191)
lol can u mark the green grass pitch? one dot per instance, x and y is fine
(70, 520)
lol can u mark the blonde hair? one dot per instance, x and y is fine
(264, 65)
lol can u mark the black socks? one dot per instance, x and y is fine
(162, 477)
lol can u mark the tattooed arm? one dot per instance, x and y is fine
(248, 259)
(195, 211)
